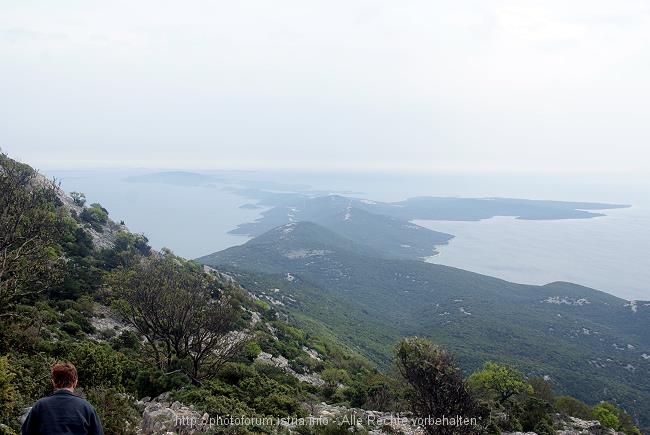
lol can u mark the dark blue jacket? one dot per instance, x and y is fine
(62, 413)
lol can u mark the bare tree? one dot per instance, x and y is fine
(30, 226)
(180, 311)
(437, 387)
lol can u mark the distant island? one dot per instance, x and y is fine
(180, 178)
(361, 220)
(250, 207)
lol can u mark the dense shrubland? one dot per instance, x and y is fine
(192, 333)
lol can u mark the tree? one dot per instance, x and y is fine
(499, 382)
(436, 385)
(505, 392)
(606, 414)
(611, 416)
(31, 223)
(181, 312)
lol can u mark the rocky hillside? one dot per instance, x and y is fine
(141, 324)
(591, 344)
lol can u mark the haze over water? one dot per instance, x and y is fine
(607, 253)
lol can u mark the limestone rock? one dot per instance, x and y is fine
(160, 417)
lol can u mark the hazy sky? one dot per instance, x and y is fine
(506, 85)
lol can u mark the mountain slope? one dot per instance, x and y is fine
(362, 220)
(71, 314)
(350, 218)
(589, 342)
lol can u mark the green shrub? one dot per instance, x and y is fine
(573, 407)
(72, 315)
(31, 377)
(336, 428)
(542, 389)
(380, 396)
(215, 398)
(125, 241)
(115, 409)
(277, 374)
(98, 365)
(606, 414)
(333, 377)
(6, 430)
(252, 351)
(71, 328)
(499, 382)
(152, 382)
(356, 395)
(222, 405)
(8, 395)
(278, 404)
(127, 340)
(233, 373)
(535, 414)
(46, 313)
(85, 305)
(95, 215)
(263, 305)
(544, 427)
(627, 423)
(616, 418)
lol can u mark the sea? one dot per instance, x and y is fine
(608, 253)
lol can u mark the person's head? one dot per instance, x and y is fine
(64, 375)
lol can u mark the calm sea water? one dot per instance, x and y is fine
(608, 253)
(190, 220)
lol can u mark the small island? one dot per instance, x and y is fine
(250, 207)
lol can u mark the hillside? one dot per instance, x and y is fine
(388, 228)
(166, 345)
(589, 343)
(67, 277)
(348, 217)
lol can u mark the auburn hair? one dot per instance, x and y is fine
(64, 375)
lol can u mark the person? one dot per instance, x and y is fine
(62, 412)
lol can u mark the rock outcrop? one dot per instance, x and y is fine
(161, 416)
(283, 363)
(574, 426)
(101, 239)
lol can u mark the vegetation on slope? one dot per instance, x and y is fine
(590, 343)
(175, 321)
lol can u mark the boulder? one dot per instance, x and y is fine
(160, 417)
